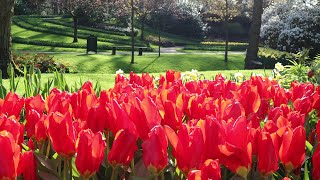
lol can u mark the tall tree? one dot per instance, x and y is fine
(254, 35)
(6, 13)
(225, 10)
(77, 7)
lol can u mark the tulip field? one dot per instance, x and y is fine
(144, 128)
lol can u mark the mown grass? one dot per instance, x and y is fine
(107, 80)
(151, 63)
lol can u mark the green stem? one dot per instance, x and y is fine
(42, 147)
(108, 149)
(132, 167)
(59, 165)
(65, 169)
(48, 150)
(113, 173)
(162, 175)
(70, 168)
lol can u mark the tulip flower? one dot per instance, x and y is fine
(35, 103)
(236, 152)
(155, 155)
(188, 146)
(214, 136)
(292, 149)
(62, 134)
(58, 101)
(41, 130)
(12, 105)
(32, 118)
(123, 148)
(28, 166)
(303, 105)
(13, 126)
(249, 98)
(316, 164)
(90, 152)
(172, 116)
(97, 118)
(82, 101)
(267, 155)
(9, 156)
(209, 170)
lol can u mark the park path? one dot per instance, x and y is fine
(167, 50)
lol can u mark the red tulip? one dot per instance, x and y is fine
(119, 119)
(13, 126)
(9, 156)
(11, 105)
(32, 118)
(214, 136)
(303, 105)
(267, 155)
(35, 103)
(62, 134)
(82, 101)
(237, 150)
(155, 155)
(173, 115)
(90, 152)
(249, 98)
(123, 148)
(98, 116)
(292, 149)
(209, 170)
(301, 89)
(28, 166)
(41, 130)
(58, 101)
(316, 164)
(188, 146)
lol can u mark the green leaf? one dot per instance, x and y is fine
(75, 172)
(309, 146)
(47, 163)
(306, 174)
(47, 176)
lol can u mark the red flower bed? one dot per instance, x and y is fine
(254, 129)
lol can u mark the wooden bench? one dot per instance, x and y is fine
(114, 49)
(140, 49)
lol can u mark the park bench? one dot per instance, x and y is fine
(114, 49)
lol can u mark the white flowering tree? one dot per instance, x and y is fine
(292, 26)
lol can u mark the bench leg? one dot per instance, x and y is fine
(140, 52)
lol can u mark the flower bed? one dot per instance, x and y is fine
(143, 127)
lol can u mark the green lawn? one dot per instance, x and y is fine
(107, 64)
(107, 80)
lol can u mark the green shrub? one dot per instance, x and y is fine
(269, 57)
(68, 45)
(43, 62)
(164, 41)
(217, 46)
(65, 31)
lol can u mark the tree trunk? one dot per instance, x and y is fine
(226, 24)
(159, 35)
(132, 33)
(254, 35)
(143, 18)
(75, 29)
(6, 12)
(227, 41)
